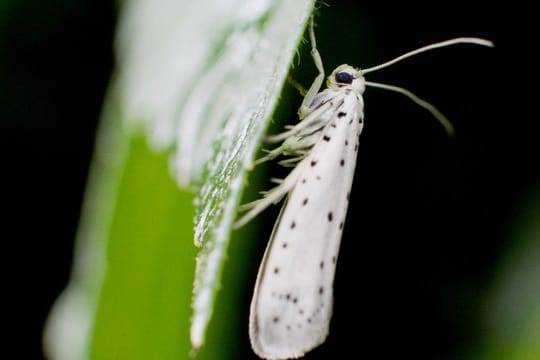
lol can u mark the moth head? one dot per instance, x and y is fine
(346, 76)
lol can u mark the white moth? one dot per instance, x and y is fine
(292, 301)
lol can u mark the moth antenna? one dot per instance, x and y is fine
(443, 120)
(460, 40)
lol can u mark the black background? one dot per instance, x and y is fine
(429, 214)
(55, 62)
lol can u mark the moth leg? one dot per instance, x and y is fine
(305, 108)
(270, 155)
(302, 90)
(295, 145)
(273, 196)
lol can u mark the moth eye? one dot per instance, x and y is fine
(344, 78)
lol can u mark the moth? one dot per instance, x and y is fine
(292, 301)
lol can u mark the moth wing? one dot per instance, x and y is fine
(292, 303)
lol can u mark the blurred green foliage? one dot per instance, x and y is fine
(144, 303)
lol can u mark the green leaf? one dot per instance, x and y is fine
(254, 87)
(194, 89)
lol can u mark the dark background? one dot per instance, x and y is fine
(55, 62)
(429, 217)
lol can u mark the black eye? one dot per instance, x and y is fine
(344, 78)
